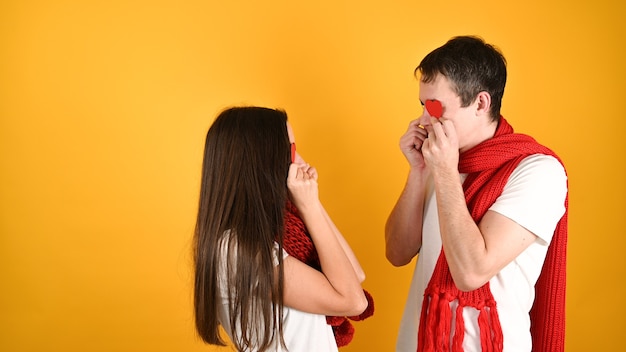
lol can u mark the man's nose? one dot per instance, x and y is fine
(425, 119)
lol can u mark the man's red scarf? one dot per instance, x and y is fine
(297, 242)
(489, 166)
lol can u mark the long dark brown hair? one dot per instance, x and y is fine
(242, 202)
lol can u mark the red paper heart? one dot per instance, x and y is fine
(434, 108)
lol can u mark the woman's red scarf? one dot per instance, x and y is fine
(297, 242)
(489, 166)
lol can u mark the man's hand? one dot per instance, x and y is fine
(441, 149)
(411, 144)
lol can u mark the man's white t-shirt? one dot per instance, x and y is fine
(302, 331)
(533, 197)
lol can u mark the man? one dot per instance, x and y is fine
(482, 209)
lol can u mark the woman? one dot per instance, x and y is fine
(265, 299)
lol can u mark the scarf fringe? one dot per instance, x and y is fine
(485, 331)
(459, 331)
(436, 317)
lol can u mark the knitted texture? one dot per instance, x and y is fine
(489, 166)
(298, 244)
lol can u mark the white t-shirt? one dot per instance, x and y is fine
(302, 331)
(533, 197)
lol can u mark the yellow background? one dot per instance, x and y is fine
(104, 106)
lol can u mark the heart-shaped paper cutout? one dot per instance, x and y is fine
(293, 152)
(434, 108)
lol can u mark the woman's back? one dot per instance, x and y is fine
(302, 331)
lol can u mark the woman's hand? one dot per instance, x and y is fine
(302, 184)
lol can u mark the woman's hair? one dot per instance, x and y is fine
(243, 196)
(471, 66)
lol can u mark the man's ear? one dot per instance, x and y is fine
(484, 103)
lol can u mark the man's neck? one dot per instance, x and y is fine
(483, 133)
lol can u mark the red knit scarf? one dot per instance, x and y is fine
(489, 166)
(297, 242)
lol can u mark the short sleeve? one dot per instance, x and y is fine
(534, 195)
(275, 253)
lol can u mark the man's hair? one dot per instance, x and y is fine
(243, 195)
(472, 66)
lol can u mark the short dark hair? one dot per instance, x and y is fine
(472, 66)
